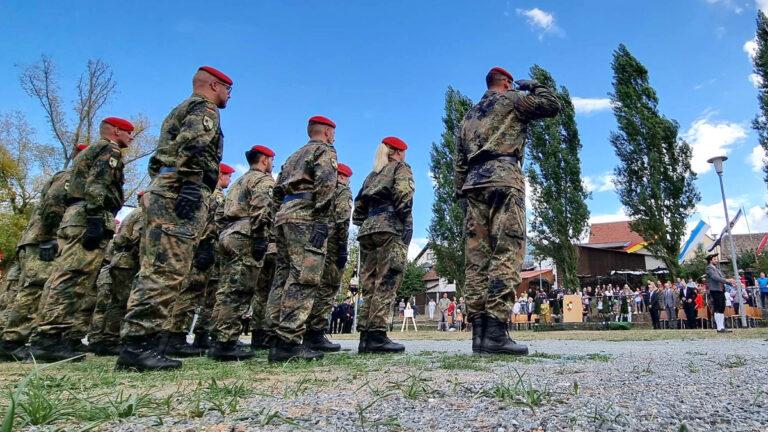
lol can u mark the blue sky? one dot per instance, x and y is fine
(381, 68)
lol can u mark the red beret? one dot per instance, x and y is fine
(81, 147)
(344, 169)
(266, 151)
(395, 142)
(217, 73)
(501, 71)
(322, 120)
(225, 169)
(119, 123)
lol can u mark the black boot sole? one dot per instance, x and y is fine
(325, 349)
(131, 367)
(378, 351)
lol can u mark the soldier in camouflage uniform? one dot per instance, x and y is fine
(489, 176)
(305, 188)
(184, 170)
(383, 213)
(335, 260)
(114, 285)
(246, 221)
(199, 290)
(36, 252)
(95, 196)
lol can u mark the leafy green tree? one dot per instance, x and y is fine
(654, 179)
(695, 266)
(760, 123)
(412, 283)
(446, 230)
(560, 213)
(11, 226)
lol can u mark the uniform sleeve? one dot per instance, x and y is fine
(106, 166)
(47, 230)
(360, 213)
(278, 193)
(128, 234)
(460, 164)
(541, 102)
(199, 127)
(325, 183)
(260, 205)
(402, 192)
(343, 212)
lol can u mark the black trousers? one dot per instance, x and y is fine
(718, 301)
(690, 314)
(655, 318)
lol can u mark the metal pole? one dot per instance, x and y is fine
(739, 299)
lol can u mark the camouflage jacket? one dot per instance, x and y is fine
(248, 207)
(96, 181)
(53, 204)
(495, 127)
(191, 142)
(312, 170)
(215, 208)
(126, 242)
(339, 226)
(385, 201)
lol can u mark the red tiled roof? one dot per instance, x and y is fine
(431, 275)
(613, 232)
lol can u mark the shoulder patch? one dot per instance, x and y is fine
(207, 123)
(66, 185)
(113, 162)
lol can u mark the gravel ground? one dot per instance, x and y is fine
(705, 385)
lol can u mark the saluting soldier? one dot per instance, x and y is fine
(184, 170)
(95, 196)
(246, 221)
(199, 291)
(490, 181)
(383, 213)
(36, 252)
(335, 260)
(305, 188)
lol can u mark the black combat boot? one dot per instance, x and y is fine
(52, 348)
(363, 339)
(284, 351)
(496, 339)
(202, 341)
(230, 351)
(378, 342)
(7, 349)
(259, 340)
(142, 354)
(316, 340)
(177, 346)
(104, 348)
(478, 329)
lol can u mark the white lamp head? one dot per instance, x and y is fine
(717, 161)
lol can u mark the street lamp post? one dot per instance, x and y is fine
(717, 161)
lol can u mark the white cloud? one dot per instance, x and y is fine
(729, 4)
(762, 5)
(590, 105)
(601, 183)
(619, 215)
(711, 138)
(750, 47)
(588, 184)
(545, 21)
(757, 158)
(417, 244)
(755, 79)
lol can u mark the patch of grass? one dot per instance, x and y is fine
(692, 368)
(600, 357)
(273, 417)
(361, 409)
(517, 391)
(414, 386)
(224, 397)
(603, 415)
(42, 405)
(460, 362)
(301, 386)
(643, 371)
(732, 361)
(542, 355)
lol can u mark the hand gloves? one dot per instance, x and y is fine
(259, 248)
(189, 200)
(48, 250)
(319, 234)
(407, 235)
(526, 85)
(341, 260)
(94, 232)
(204, 255)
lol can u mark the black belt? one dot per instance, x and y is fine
(379, 210)
(72, 201)
(489, 157)
(166, 170)
(308, 196)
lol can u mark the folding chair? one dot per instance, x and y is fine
(730, 314)
(703, 317)
(682, 318)
(663, 319)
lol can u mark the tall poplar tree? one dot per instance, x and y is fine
(559, 209)
(760, 123)
(446, 230)
(654, 179)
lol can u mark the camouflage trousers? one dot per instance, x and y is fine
(326, 293)
(198, 294)
(67, 308)
(166, 252)
(300, 266)
(25, 304)
(8, 290)
(239, 278)
(382, 262)
(113, 285)
(495, 249)
(261, 294)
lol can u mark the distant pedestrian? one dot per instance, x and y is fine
(431, 309)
